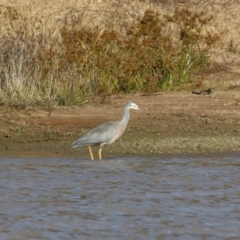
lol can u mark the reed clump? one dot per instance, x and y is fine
(155, 52)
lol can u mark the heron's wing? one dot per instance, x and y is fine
(103, 133)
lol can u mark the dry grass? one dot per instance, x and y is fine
(42, 16)
(40, 65)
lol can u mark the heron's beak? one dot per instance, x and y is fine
(142, 111)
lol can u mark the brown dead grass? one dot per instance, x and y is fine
(48, 17)
(51, 14)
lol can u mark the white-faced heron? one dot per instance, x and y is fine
(106, 133)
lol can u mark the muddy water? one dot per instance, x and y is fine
(127, 198)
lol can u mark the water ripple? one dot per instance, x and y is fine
(127, 198)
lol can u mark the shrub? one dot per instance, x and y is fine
(156, 52)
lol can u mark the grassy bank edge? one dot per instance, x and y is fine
(148, 146)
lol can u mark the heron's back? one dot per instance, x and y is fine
(105, 133)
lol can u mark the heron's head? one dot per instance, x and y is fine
(132, 105)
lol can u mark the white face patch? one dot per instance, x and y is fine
(134, 106)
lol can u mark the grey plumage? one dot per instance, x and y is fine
(98, 136)
(106, 133)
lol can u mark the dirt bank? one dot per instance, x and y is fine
(175, 123)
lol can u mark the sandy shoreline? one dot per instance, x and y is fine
(176, 123)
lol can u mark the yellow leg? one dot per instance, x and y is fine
(100, 153)
(90, 150)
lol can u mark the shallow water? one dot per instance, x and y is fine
(127, 198)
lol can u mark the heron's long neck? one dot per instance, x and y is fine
(125, 118)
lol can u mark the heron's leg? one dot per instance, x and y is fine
(90, 151)
(100, 153)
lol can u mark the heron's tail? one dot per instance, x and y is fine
(80, 143)
(77, 143)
